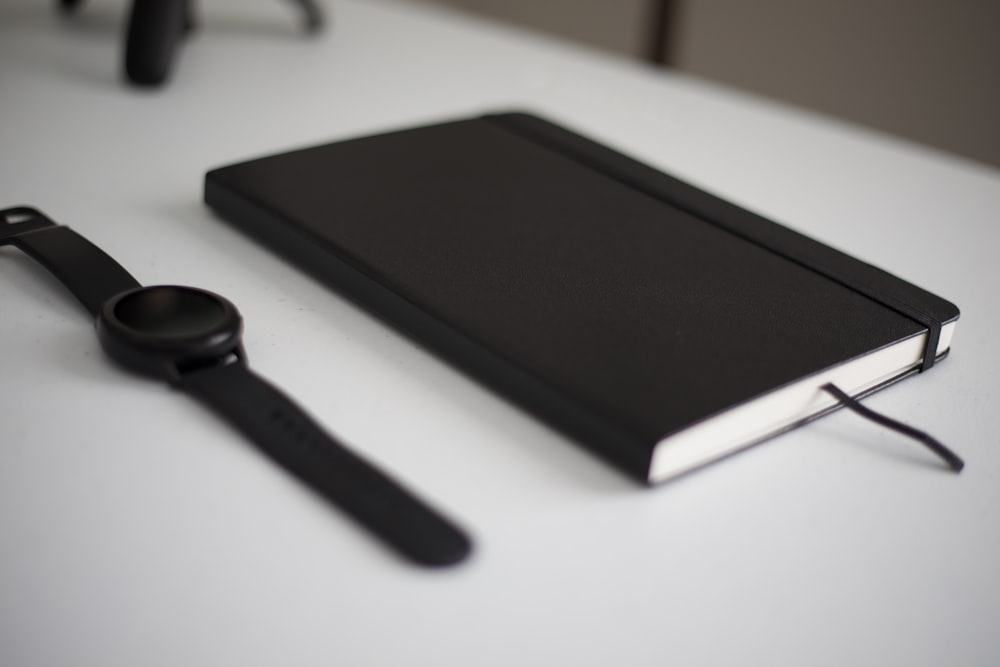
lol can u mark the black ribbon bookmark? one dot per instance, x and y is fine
(952, 459)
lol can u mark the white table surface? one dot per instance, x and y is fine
(137, 529)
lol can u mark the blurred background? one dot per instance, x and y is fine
(925, 70)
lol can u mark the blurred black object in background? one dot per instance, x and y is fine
(156, 27)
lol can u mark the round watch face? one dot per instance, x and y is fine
(167, 330)
(170, 312)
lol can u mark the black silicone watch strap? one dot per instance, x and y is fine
(291, 438)
(90, 273)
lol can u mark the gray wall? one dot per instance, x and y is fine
(926, 70)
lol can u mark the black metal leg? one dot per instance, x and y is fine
(155, 28)
(69, 5)
(313, 15)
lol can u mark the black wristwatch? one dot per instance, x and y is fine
(192, 338)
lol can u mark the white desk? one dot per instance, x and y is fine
(137, 529)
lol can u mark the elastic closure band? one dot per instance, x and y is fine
(782, 241)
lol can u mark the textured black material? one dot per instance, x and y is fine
(618, 303)
(289, 437)
(909, 300)
(87, 271)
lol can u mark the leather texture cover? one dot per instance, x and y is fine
(616, 302)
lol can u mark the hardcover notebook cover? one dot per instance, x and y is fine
(657, 324)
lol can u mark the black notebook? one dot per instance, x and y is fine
(654, 323)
